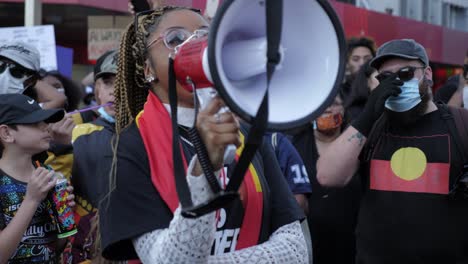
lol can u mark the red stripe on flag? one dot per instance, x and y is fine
(435, 179)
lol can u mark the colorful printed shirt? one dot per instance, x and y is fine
(38, 242)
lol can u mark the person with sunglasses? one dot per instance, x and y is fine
(141, 216)
(410, 162)
(19, 73)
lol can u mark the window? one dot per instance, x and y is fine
(455, 17)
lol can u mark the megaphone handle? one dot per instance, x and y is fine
(229, 154)
(205, 95)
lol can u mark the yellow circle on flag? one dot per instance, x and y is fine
(408, 163)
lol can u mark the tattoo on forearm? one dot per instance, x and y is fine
(357, 136)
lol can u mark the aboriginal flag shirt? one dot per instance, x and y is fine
(406, 214)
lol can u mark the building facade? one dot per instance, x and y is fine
(452, 14)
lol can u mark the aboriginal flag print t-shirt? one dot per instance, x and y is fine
(407, 214)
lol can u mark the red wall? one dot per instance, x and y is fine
(443, 45)
(115, 5)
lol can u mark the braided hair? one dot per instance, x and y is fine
(131, 90)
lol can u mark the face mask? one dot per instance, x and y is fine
(328, 123)
(465, 97)
(106, 116)
(10, 84)
(407, 99)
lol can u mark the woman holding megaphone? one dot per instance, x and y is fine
(141, 216)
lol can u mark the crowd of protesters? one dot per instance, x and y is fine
(379, 177)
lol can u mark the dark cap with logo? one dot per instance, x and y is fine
(107, 63)
(21, 109)
(22, 53)
(400, 48)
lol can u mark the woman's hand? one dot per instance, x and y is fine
(217, 131)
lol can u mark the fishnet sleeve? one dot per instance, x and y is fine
(285, 245)
(185, 240)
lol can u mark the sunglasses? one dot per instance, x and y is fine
(404, 74)
(176, 36)
(16, 71)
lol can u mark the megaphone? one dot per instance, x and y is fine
(233, 57)
(273, 73)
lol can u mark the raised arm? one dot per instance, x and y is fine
(338, 164)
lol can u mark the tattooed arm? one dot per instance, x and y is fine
(337, 165)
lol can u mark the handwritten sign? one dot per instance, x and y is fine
(42, 37)
(101, 40)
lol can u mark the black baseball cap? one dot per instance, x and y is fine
(16, 109)
(401, 48)
(107, 63)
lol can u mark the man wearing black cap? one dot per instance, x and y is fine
(413, 210)
(27, 234)
(19, 73)
(91, 143)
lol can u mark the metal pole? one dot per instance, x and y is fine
(32, 12)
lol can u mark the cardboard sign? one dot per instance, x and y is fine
(42, 37)
(101, 40)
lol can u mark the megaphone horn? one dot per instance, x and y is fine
(305, 49)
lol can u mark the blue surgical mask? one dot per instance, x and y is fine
(407, 99)
(106, 116)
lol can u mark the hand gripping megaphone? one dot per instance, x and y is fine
(276, 65)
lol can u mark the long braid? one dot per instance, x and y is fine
(131, 90)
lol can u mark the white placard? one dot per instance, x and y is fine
(42, 37)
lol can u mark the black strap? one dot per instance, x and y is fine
(274, 21)
(274, 10)
(450, 116)
(179, 173)
(459, 134)
(373, 139)
(460, 116)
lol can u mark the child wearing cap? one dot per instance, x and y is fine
(27, 233)
(89, 167)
